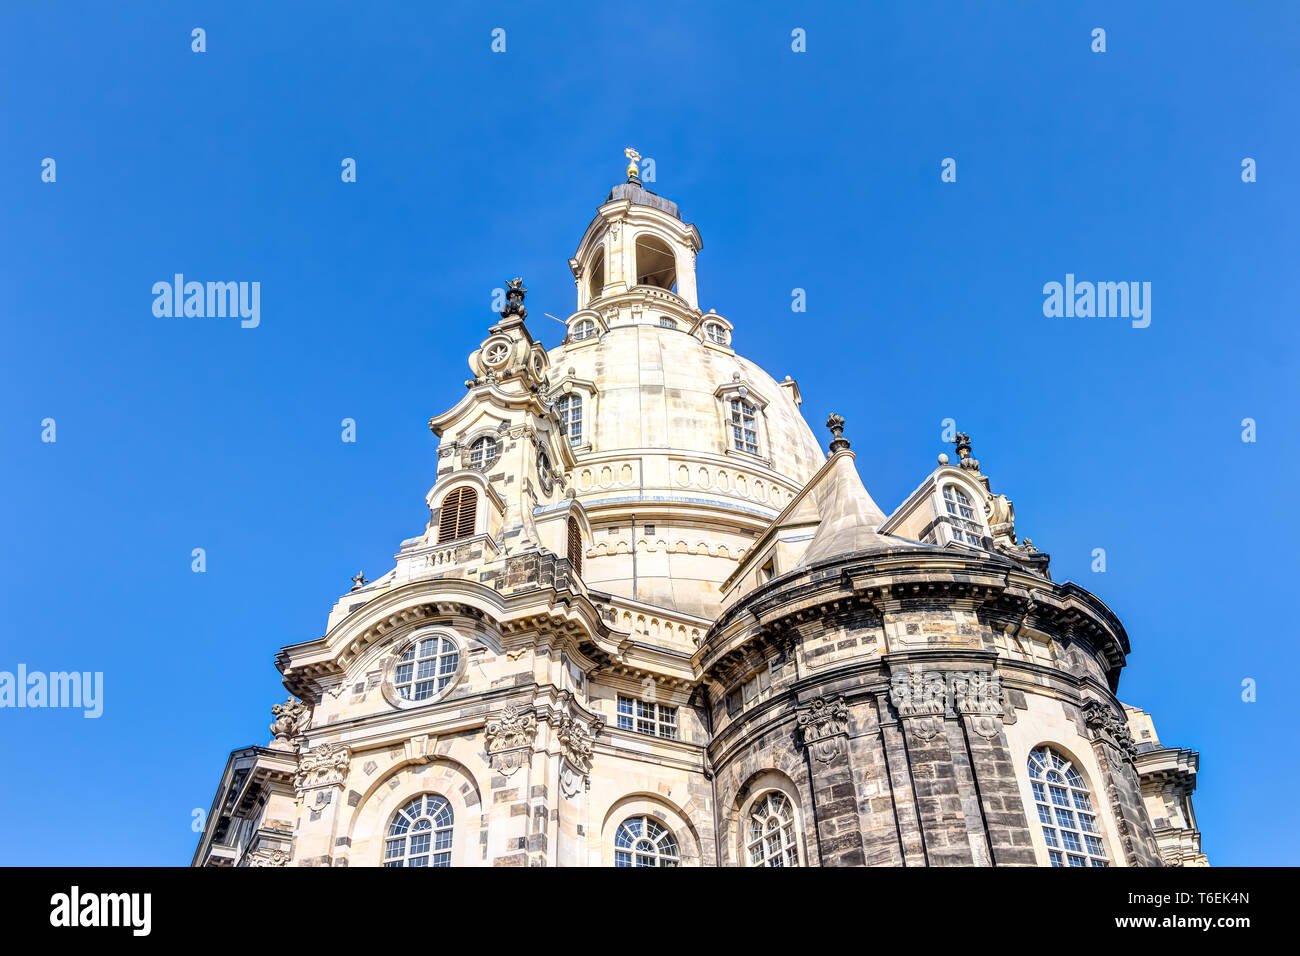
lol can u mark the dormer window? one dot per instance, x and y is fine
(963, 524)
(583, 330)
(744, 430)
(569, 408)
(716, 332)
(483, 452)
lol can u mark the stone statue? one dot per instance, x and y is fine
(515, 293)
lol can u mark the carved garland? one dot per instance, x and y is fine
(510, 738)
(923, 698)
(326, 766)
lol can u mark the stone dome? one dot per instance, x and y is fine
(663, 392)
(684, 451)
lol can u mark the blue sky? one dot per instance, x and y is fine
(817, 170)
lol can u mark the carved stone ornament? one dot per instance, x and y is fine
(510, 738)
(838, 442)
(269, 858)
(326, 766)
(978, 695)
(823, 723)
(291, 719)
(918, 695)
(1108, 726)
(977, 692)
(570, 780)
(1001, 515)
(575, 742)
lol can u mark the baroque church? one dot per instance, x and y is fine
(652, 622)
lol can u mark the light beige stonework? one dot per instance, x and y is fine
(788, 650)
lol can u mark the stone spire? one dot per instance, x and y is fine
(849, 516)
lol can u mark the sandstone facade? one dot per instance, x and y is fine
(651, 622)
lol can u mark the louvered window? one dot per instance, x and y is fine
(458, 511)
(575, 547)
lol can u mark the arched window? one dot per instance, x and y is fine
(962, 521)
(569, 408)
(483, 451)
(771, 832)
(744, 431)
(597, 284)
(459, 509)
(655, 263)
(1065, 811)
(667, 323)
(644, 841)
(957, 503)
(716, 332)
(426, 668)
(583, 329)
(575, 545)
(420, 834)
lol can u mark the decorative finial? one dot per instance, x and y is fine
(291, 719)
(838, 442)
(359, 581)
(962, 441)
(515, 292)
(633, 173)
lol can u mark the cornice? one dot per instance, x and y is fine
(887, 581)
(487, 393)
(540, 609)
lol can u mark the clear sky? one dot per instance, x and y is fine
(817, 170)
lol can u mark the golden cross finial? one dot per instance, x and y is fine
(633, 158)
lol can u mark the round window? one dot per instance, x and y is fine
(424, 669)
(495, 353)
(544, 470)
